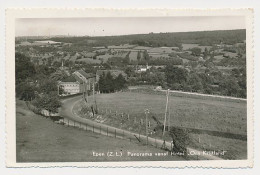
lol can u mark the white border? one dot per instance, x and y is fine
(12, 14)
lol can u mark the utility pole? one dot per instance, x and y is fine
(94, 97)
(146, 124)
(93, 86)
(169, 118)
(58, 90)
(166, 109)
(84, 92)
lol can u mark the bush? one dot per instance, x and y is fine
(49, 102)
(180, 138)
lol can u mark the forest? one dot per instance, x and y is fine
(203, 38)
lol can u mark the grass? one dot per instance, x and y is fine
(221, 124)
(39, 139)
(133, 56)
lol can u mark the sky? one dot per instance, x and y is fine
(124, 25)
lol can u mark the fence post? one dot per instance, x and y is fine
(155, 142)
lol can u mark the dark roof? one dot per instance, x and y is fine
(69, 79)
(77, 78)
(86, 75)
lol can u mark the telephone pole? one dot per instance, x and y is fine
(169, 118)
(166, 109)
(94, 97)
(146, 124)
(93, 86)
(84, 92)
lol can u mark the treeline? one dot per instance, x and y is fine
(33, 83)
(208, 82)
(109, 84)
(208, 38)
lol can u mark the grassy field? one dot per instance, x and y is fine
(39, 139)
(190, 46)
(133, 56)
(215, 122)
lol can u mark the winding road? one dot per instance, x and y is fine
(67, 112)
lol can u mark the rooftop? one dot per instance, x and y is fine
(86, 75)
(69, 79)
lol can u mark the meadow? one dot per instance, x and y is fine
(211, 122)
(39, 139)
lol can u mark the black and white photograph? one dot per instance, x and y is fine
(172, 88)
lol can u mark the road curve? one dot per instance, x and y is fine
(66, 111)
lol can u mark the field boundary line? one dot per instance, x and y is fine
(205, 95)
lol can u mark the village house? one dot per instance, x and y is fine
(86, 80)
(78, 82)
(69, 85)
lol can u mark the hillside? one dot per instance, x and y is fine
(162, 39)
(41, 140)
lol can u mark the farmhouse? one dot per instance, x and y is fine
(142, 68)
(69, 85)
(85, 79)
(78, 82)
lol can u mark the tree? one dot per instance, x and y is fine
(180, 139)
(58, 75)
(108, 84)
(24, 68)
(175, 74)
(195, 82)
(146, 56)
(229, 86)
(120, 82)
(49, 102)
(56, 64)
(48, 86)
(206, 53)
(126, 60)
(129, 71)
(138, 56)
(196, 51)
(25, 91)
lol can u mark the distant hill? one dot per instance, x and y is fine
(204, 38)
